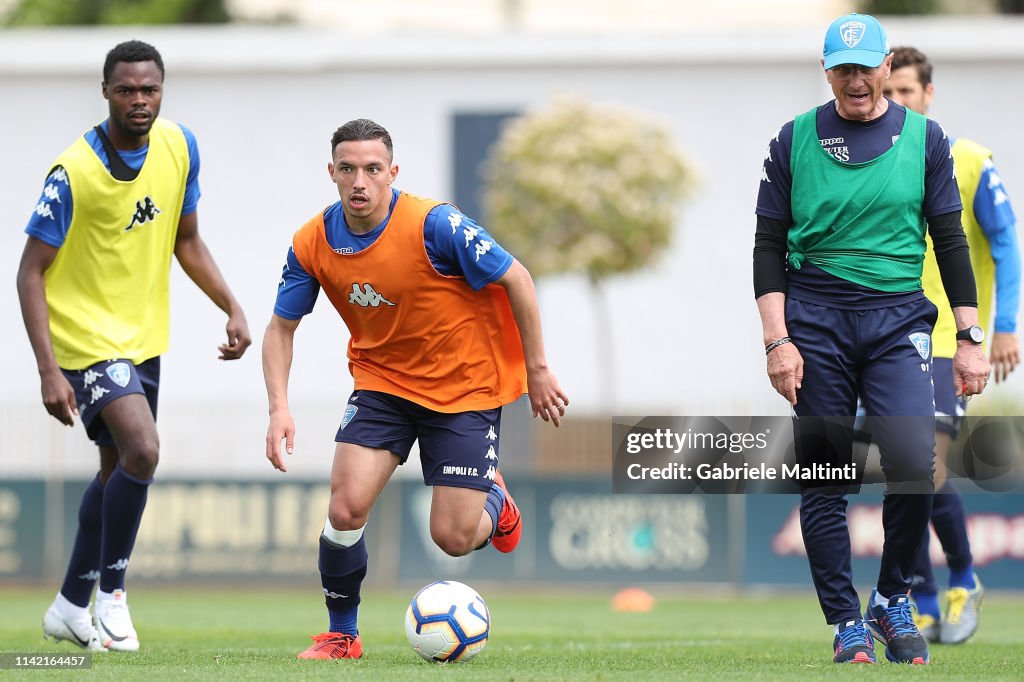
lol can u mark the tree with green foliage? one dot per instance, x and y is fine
(116, 12)
(884, 7)
(577, 187)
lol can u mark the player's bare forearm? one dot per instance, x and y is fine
(278, 341)
(198, 264)
(547, 399)
(785, 364)
(965, 316)
(57, 394)
(772, 308)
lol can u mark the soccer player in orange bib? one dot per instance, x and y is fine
(445, 330)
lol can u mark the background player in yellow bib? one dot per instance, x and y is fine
(991, 230)
(94, 286)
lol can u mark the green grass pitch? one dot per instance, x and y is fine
(544, 634)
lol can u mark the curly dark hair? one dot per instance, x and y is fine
(131, 51)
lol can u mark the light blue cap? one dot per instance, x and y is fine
(855, 39)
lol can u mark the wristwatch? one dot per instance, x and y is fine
(974, 334)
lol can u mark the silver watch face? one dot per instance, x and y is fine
(977, 334)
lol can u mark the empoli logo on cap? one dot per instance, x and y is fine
(851, 32)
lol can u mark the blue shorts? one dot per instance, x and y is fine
(949, 410)
(458, 450)
(881, 356)
(105, 381)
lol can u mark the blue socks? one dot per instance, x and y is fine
(344, 621)
(124, 500)
(492, 505)
(962, 578)
(342, 570)
(927, 604)
(84, 566)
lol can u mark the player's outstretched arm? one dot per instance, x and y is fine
(547, 399)
(277, 364)
(58, 396)
(198, 264)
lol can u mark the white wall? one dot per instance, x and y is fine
(263, 104)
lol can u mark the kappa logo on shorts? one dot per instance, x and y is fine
(120, 373)
(491, 454)
(350, 411)
(923, 343)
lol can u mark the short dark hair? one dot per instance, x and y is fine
(911, 56)
(361, 129)
(131, 51)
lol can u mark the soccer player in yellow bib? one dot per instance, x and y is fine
(94, 287)
(990, 226)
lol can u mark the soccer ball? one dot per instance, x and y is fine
(447, 621)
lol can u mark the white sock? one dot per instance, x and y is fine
(110, 596)
(880, 600)
(67, 608)
(342, 538)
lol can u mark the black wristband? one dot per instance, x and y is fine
(776, 343)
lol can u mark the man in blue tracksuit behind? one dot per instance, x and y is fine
(846, 192)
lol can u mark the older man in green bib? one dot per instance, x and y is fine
(848, 191)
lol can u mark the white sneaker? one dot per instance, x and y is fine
(114, 623)
(66, 621)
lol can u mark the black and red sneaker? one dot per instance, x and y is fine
(853, 644)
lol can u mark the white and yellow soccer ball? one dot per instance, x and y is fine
(447, 621)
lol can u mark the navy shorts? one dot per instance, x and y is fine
(949, 410)
(105, 381)
(881, 356)
(456, 449)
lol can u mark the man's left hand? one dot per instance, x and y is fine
(971, 369)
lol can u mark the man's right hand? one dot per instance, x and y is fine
(786, 370)
(282, 427)
(59, 397)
